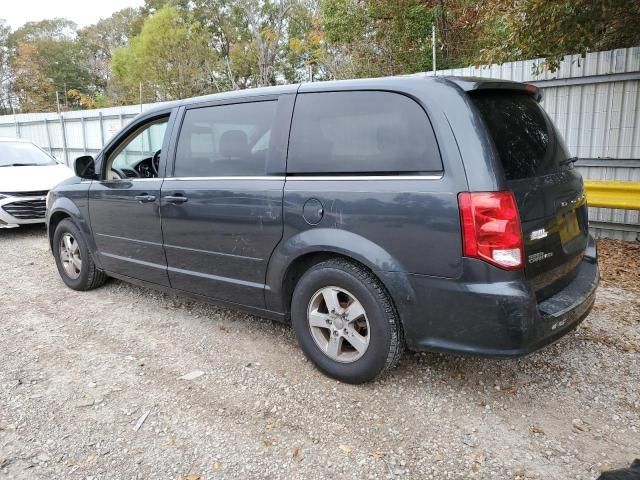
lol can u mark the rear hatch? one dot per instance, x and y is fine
(548, 190)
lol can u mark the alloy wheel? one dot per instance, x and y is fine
(338, 324)
(70, 256)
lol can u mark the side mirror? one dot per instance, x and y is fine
(85, 167)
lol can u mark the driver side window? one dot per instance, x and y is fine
(138, 155)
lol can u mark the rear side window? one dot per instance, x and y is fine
(526, 140)
(361, 132)
(226, 140)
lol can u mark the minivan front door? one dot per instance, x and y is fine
(222, 209)
(124, 206)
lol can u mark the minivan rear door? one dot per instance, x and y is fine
(548, 190)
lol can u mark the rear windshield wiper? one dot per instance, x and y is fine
(569, 160)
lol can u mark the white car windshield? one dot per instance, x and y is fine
(19, 154)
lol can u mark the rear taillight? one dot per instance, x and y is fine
(491, 228)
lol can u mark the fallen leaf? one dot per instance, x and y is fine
(192, 375)
(474, 467)
(141, 420)
(377, 455)
(536, 429)
(295, 454)
(628, 347)
(216, 466)
(344, 448)
(190, 476)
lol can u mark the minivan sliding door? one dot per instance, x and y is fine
(222, 208)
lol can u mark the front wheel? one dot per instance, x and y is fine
(73, 258)
(345, 322)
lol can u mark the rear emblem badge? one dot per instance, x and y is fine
(538, 257)
(538, 234)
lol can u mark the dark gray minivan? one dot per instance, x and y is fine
(440, 214)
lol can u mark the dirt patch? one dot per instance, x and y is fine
(124, 382)
(620, 263)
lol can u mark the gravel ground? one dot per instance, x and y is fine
(80, 370)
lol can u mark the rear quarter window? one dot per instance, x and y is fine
(361, 132)
(525, 138)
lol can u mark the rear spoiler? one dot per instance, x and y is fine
(473, 84)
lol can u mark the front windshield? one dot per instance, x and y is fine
(23, 154)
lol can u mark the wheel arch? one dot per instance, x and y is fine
(54, 220)
(295, 256)
(64, 207)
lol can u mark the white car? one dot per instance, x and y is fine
(27, 173)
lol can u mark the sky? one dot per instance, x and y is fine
(82, 12)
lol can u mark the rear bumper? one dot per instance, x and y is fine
(498, 317)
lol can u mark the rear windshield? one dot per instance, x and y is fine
(526, 140)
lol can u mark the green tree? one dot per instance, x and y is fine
(32, 87)
(169, 58)
(48, 58)
(5, 69)
(520, 29)
(305, 54)
(180, 48)
(377, 37)
(103, 38)
(267, 23)
(236, 64)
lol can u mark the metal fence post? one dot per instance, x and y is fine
(17, 125)
(46, 129)
(64, 141)
(84, 136)
(101, 129)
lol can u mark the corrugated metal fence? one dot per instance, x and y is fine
(594, 101)
(70, 134)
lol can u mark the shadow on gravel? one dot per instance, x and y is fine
(420, 370)
(23, 231)
(508, 375)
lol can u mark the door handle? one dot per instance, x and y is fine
(176, 199)
(145, 198)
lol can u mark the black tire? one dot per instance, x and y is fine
(90, 277)
(386, 339)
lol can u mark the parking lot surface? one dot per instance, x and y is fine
(124, 382)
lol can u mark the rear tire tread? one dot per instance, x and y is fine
(366, 277)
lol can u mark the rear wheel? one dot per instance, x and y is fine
(345, 322)
(73, 258)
